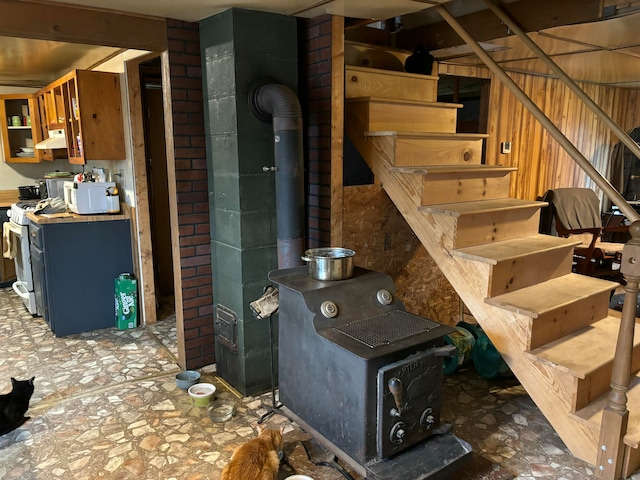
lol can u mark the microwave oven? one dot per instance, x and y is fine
(88, 198)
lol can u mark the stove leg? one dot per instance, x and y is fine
(275, 407)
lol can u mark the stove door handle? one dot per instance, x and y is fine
(395, 387)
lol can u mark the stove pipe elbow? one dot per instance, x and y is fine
(279, 104)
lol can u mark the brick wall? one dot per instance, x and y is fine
(192, 191)
(315, 98)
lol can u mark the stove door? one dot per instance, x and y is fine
(408, 401)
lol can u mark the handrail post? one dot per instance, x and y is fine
(616, 416)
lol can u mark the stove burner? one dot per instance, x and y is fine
(27, 204)
(386, 328)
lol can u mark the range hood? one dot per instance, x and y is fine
(57, 139)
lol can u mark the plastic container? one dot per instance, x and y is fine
(463, 340)
(186, 379)
(126, 296)
(222, 412)
(201, 394)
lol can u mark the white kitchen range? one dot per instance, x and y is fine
(19, 226)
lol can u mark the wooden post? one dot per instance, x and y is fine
(615, 416)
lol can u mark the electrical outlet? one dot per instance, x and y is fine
(505, 147)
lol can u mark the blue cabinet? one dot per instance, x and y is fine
(74, 266)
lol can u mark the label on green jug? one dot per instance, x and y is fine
(126, 297)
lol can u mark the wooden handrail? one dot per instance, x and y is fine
(553, 130)
(573, 86)
(615, 416)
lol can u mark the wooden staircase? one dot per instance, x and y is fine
(551, 326)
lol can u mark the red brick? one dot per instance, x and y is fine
(193, 261)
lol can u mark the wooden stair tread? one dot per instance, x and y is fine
(493, 253)
(455, 169)
(397, 73)
(481, 206)
(427, 135)
(592, 413)
(585, 350)
(551, 295)
(399, 101)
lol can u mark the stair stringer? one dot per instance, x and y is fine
(470, 279)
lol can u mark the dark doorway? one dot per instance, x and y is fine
(471, 92)
(157, 183)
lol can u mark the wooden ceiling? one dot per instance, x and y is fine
(593, 40)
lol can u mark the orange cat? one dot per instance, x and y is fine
(257, 459)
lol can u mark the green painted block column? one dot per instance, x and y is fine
(239, 48)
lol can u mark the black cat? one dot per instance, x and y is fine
(420, 61)
(14, 405)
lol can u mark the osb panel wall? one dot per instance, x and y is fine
(383, 242)
(542, 163)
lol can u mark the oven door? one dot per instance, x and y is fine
(22, 258)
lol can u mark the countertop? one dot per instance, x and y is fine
(7, 197)
(70, 217)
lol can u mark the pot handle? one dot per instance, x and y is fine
(306, 259)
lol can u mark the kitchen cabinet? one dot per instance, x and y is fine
(74, 269)
(23, 135)
(87, 104)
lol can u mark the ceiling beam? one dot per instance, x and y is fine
(67, 23)
(483, 26)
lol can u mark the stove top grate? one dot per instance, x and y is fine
(386, 328)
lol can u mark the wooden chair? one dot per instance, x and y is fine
(576, 213)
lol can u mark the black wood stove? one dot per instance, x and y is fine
(364, 376)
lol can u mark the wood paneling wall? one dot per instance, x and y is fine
(542, 163)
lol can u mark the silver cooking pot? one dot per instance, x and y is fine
(330, 263)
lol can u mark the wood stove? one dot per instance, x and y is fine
(364, 375)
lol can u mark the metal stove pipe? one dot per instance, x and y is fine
(278, 102)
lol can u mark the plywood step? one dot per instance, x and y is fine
(558, 306)
(378, 114)
(586, 356)
(522, 262)
(461, 183)
(375, 82)
(487, 221)
(412, 149)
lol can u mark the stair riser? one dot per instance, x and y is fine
(598, 382)
(450, 188)
(382, 116)
(390, 85)
(553, 325)
(495, 226)
(426, 152)
(530, 270)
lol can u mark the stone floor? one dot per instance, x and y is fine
(106, 406)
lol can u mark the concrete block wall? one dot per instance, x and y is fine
(238, 48)
(192, 192)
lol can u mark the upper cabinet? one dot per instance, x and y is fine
(87, 105)
(20, 128)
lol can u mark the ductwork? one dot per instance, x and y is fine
(279, 103)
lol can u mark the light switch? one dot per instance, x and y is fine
(505, 147)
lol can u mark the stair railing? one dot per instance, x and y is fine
(610, 456)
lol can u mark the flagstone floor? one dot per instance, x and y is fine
(106, 406)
